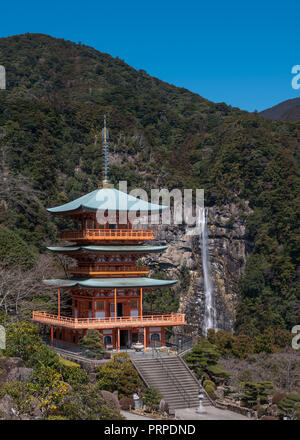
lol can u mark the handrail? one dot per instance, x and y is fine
(107, 269)
(173, 378)
(64, 321)
(108, 234)
(201, 387)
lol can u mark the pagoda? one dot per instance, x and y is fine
(108, 283)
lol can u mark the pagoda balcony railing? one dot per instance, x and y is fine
(109, 270)
(109, 234)
(173, 319)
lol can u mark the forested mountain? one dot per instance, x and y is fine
(50, 151)
(284, 111)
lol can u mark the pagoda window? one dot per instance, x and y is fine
(112, 310)
(90, 305)
(75, 303)
(100, 305)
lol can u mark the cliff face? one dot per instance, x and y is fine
(227, 251)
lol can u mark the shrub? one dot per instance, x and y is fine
(126, 403)
(22, 340)
(152, 398)
(209, 382)
(219, 372)
(120, 375)
(68, 363)
(93, 344)
(201, 356)
(254, 392)
(250, 394)
(74, 375)
(48, 386)
(86, 403)
(290, 405)
(209, 389)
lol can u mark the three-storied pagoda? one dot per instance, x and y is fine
(107, 284)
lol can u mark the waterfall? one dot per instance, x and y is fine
(210, 312)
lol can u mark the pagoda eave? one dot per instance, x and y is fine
(110, 283)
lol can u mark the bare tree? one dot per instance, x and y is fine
(22, 291)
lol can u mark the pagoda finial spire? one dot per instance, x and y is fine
(105, 138)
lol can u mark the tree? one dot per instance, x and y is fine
(22, 340)
(21, 291)
(203, 355)
(290, 406)
(14, 251)
(86, 403)
(254, 393)
(92, 344)
(119, 375)
(242, 346)
(152, 398)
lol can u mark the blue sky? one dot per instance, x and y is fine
(238, 52)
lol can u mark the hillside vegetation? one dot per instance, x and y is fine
(50, 151)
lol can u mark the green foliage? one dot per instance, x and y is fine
(210, 390)
(152, 398)
(20, 393)
(201, 356)
(119, 375)
(22, 340)
(86, 403)
(219, 372)
(49, 387)
(92, 343)
(208, 382)
(256, 392)
(203, 360)
(290, 406)
(14, 251)
(241, 345)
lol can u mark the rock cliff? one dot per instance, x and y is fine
(227, 251)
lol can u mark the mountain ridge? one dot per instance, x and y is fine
(288, 110)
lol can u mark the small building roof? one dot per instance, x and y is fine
(109, 282)
(108, 249)
(107, 199)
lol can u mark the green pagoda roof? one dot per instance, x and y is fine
(107, 199)
(108, 248)
(109, 282)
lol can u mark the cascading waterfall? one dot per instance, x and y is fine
(210, 320)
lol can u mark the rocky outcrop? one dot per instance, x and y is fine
(227, 250)
(13, 370)
(8, 409)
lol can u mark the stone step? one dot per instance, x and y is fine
(173, 379)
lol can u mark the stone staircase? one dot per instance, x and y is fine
(172, 377)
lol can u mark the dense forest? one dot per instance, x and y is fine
(50, 152)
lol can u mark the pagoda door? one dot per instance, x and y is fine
(83, 310)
